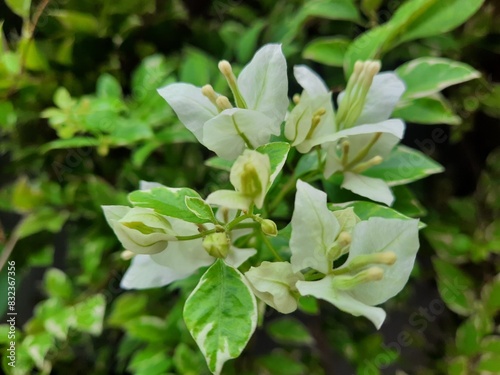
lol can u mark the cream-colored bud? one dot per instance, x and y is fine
(296, 98)
(344, 239)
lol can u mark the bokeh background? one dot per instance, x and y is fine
(81, 124)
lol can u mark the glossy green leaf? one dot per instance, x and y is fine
(328, 51)
(489, 364)
(194, 68)
(407, 203)
(455, 287)
(428, 75)
(432, 110)
(201, 209)
(404, 165)
(332, 9)
(221, 314)
(365, 210)
(167, 201)
(439, 17)
(289, 331)
(279, 363)
(108, 87)
(20, 7)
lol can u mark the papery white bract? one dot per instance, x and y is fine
(381, 254)
(261, 97)
(274, 283)
(313, 117)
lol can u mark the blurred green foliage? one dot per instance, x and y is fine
(81, 124)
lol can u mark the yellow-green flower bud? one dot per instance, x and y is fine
(269, 227)
(217, 245)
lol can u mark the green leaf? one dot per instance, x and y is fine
(468, 338)
(167, 201)
(38, 346)
(365, 210)
(90, 314)
(328, 51)
(201, 209)
(221, 314)
(108, 87)
(489, 364)
(45, 219)
(20, 7)
(289, 331)
(438, 18)
(126, 307)
(455, 287)
(188, 362)
(194, 68)
(432, 110)
(407, 203)
(57, 284)
(33, 58)
(332, 10)
(277, 152)
(247, 44)
(77, 22)
(282, 364)
(147, 328)
(151, 360)
(490, 295)
(412, 20)
(149, 76)
(428, 75)
(404, 165)
(8, 116)
(219, 163)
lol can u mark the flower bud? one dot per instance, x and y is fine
(217, 245)
(250, 175)
(143, 231)
(268, 227)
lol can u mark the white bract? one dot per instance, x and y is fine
(360, 135)
(251, 177)
(260, 96)
(274, 283)
(381, 255)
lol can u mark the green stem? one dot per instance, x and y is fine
(195, 236)
(236, 221)
(271, 247)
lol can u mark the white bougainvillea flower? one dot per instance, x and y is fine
(381, 254)
(364, 134)
(260, 95)
(140, 230)
(313, 116)
(251, 177)
(274, 283)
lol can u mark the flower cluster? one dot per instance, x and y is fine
(332, 255)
